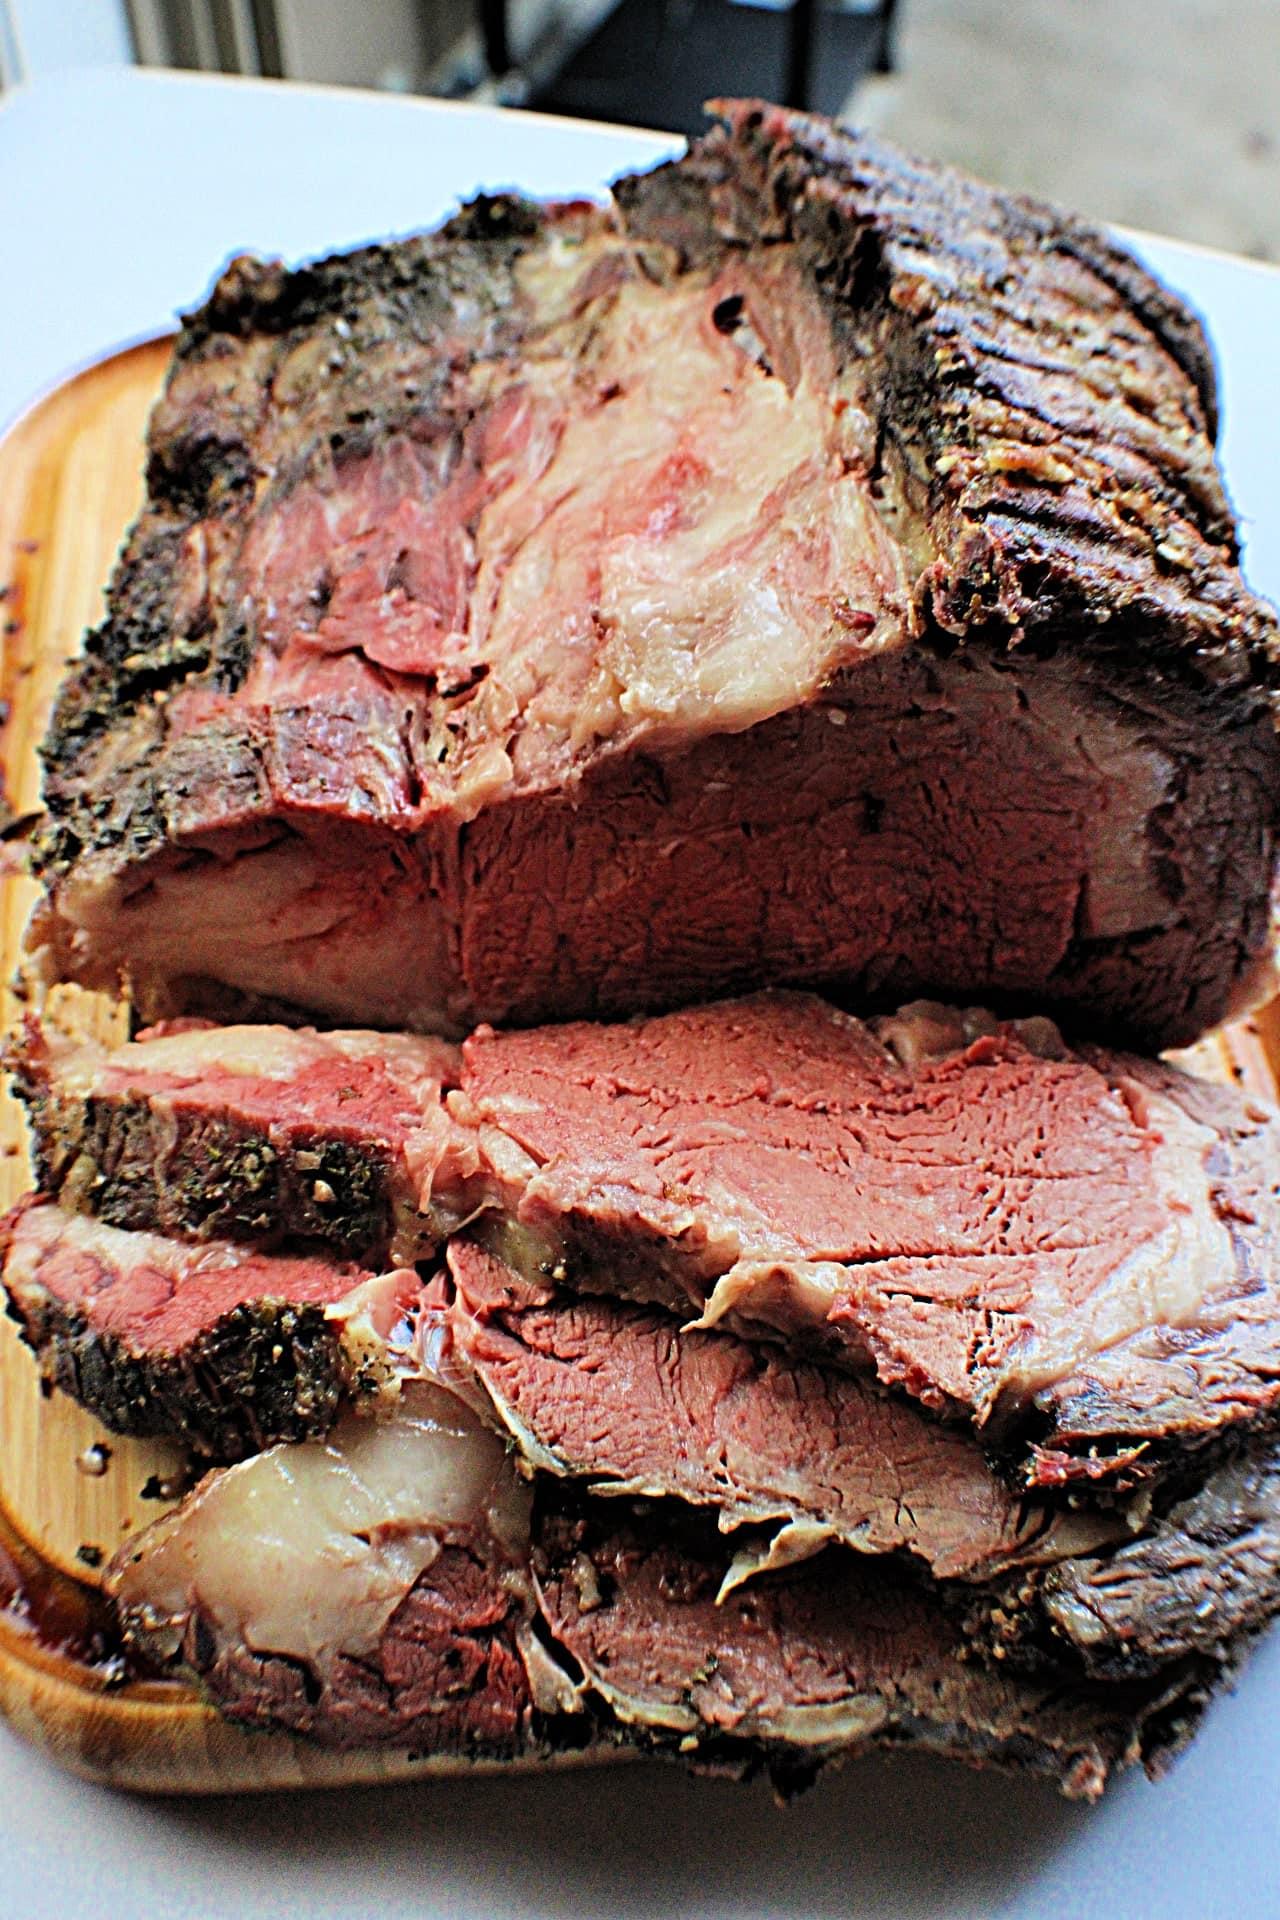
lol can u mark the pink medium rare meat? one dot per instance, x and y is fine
(622, 1398)
(1070, 1242)
(216, 1345)
(265, 1133)
(1072, 1249)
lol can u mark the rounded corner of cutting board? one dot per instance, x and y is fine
(111, 1740)
(182, 1746)
(70, 481)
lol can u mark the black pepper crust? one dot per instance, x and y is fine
(1045, 406)
(198, 1175)
(268, 1370)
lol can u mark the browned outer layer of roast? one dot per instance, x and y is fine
(898, 647)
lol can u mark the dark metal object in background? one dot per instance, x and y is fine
(267, 30)
(207, 36)
(799, 53)
(647, 62)
(888, 25)
(654, 62)
(493, 32)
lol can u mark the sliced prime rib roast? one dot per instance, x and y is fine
(810, 567)
(647, 1588)
(418, 1595)
(229, 1350)
(621, 1398)
(216, 1344)
(259, 1133)
(1068, 1243)
(1073, 1250)
(786, 1454)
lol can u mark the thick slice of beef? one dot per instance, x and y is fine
(1206, 1577)
(216, 1345)
(1219, 1364)
(811, 1666)
(810, 567)
(415, 1596)
(1008, 1229)
(258, 1133)
(1072, 1248)
(621, 1398)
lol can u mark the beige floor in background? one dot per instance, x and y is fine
(1163, 114)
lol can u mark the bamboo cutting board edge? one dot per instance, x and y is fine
(182, 1746)
(70, 481)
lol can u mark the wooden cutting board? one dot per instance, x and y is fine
(70, 481)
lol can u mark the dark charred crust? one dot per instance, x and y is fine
(267, 1371)
(1193, 1585)
(1058, 401)
(1176, 324)
(400, 280)
(263, 1370)
(197, 1175)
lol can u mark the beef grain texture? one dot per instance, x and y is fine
(1067, 1246)
(1074, 1250)
(615, 1636)
(625, 1400)
(810, 568)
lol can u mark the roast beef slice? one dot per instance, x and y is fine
(1064, 1243)
(1071, 1249)
(216, 1345)
(258, 1133)
(424, 1632)
(621, 1398)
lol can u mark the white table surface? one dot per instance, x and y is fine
(120, 195)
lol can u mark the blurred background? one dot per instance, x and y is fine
(1163, 114)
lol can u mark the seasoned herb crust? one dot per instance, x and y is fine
(381, 679)
(269, 1370)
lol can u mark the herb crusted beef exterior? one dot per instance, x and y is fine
(265, 1134)
(896, 645)
(216, 1345)
(554, 1521)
